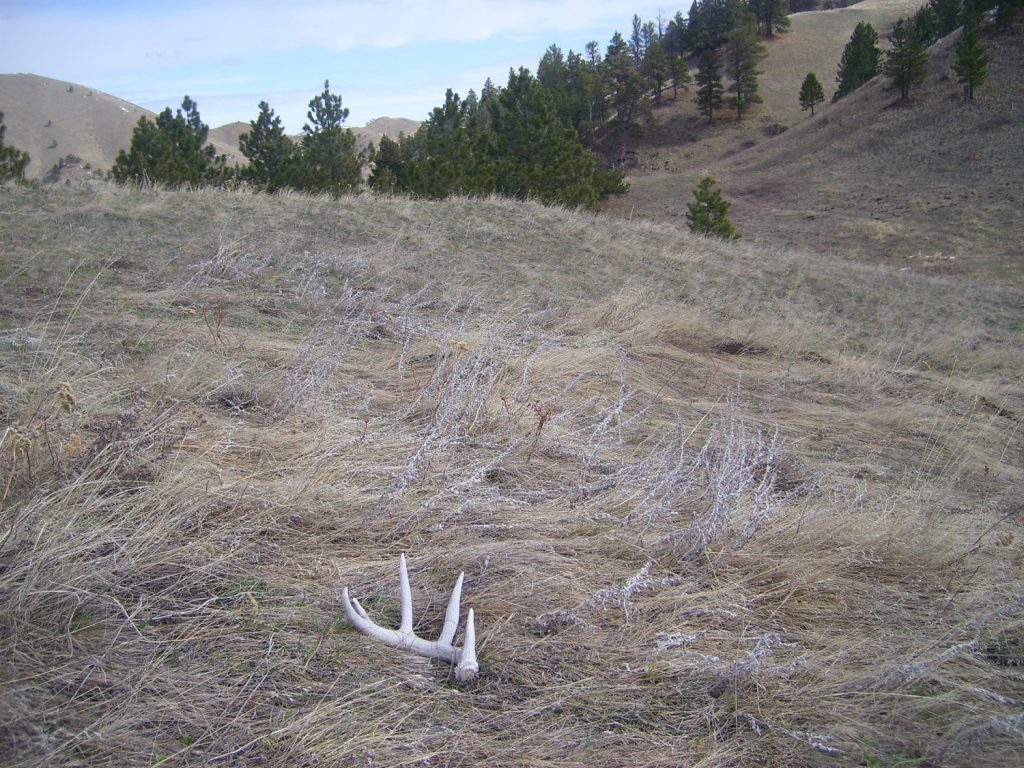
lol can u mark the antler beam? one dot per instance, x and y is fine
(464, 658)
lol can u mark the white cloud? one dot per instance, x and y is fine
(222, 53)
(146, 37)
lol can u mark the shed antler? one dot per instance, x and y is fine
(463, 658)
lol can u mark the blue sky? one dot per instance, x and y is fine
(389, 58)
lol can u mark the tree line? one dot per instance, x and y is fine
(549, 136)
(552, 135)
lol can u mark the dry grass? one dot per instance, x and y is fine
(716, 505)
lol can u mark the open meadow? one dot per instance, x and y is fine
(716, 504)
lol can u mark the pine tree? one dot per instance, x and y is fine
(629, 93)
(772, 15)
(329, 159)
(861, 60)
(657, 68)
(709, 84)
(906, 60)
(585, 107)
(444, 162)
(947, 16)
(389, 174)
(171, 150)
(681, 77)
(972, 59)
(552, 71)
(674, 38)
(745, 53)
(926, 25)
(708, 214)
(637, 48)
(533, 154)
(273, 156)
(12, 160)
(811, 93)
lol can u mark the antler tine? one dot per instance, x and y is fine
(405, 596)
(467, 667)
(451, 614)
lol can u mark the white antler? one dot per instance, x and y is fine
(463, 658)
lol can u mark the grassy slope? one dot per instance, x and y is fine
(934, 184)
(266, 398)
(681, 140)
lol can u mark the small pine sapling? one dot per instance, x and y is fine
(972, 59)
(811, 93)
(708, 214)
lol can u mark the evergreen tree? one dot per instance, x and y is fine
(12, 160)
(811, 93)
(171, 150)
(585, 106)
(533, 154)
(389, 174)
(674, 39)
(710, 21)
(709, 84)
(488, 97)
(657, 68)
(329, 159)
(444, 160)
(972, 59)
(273, 156)
(629, 96)
(708, 213)
(772, 15)
(947, 17)
(926, 25)
(696, 33)
(681, 77)
(637, 47)
(906, 60)
(577, 90)
(745, 53)
(552, 71)
(861, 60)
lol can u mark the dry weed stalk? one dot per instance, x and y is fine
(733, 475)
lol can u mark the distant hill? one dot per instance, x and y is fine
(228, 134)
(935, 182)
(390, 126)
(51, 119)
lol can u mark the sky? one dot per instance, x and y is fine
(387, 58)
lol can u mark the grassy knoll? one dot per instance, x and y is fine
(717, 505)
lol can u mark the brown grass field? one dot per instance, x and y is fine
(717, 505)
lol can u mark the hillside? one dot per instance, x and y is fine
(51, 119)
(393, 127)
(716, 504)
(933, 184)
(681, 137)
